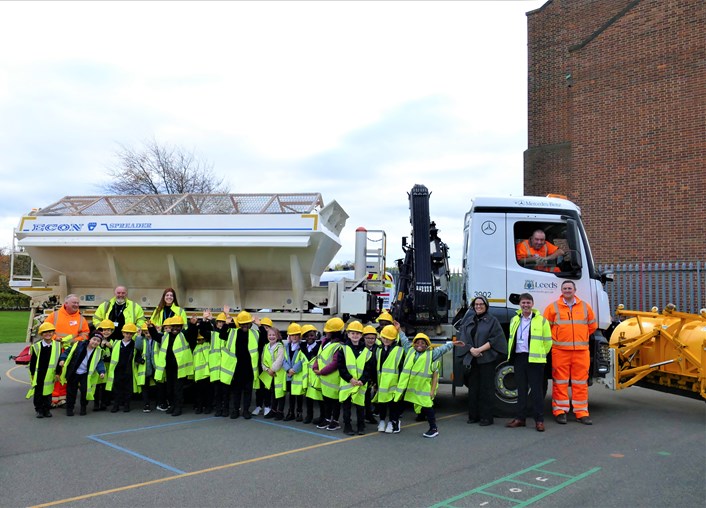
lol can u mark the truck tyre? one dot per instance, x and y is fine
(506, 392)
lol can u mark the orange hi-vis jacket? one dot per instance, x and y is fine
(571, 326)
(68, 324)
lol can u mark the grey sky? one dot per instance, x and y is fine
(356, 100)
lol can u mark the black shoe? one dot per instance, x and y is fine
(162, 407)
(198, 411)
(485, 423)
(289, 417)
(586, 420)
(269, 415)
(235, 414)
(334, 425)
(299, 418)
(308, 419)
(176, 412)
(218, 413)
(473, 420)
(207, 410)
(40, 414)
(317, 421)
(361, 430)
(146, 408)
(247, 414)
(323, 424)
(279, 415)
(395, 426)
(348, 430)
(114, 409)
(560, 418)
(126, 409)
(69, 411)
(82, 412)
(170, 410)
(47, 413)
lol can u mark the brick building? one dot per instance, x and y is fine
(617, 122)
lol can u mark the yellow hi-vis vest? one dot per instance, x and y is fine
(142, 367)
(330, 382)
(417, 376)
(280, 377)
(540, 337)
(299, 379)
(388, 376)
(48, 386)
(355, 366)
(201, 357)
(229, 360)
(182, 353)
(114, 358)
(214, 356)
(93, 376)
(313, 382)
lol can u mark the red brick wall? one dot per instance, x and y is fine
(625, 137)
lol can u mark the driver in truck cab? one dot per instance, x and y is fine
(537, 253)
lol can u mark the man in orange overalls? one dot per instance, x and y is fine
(70, 326)
(538, 253)
(572, 322)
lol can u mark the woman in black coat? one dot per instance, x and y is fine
(485, 344)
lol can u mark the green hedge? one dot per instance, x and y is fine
(14, 301)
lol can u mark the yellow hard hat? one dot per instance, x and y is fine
(355, 326)
(389, 332)
(243, 318)
(177, 321)
(370, 330)
(294, 329)
(335, 324)
(144, 326)
(221, 317)
(168, 322)
(385, 316)
(308, 328)
(267, 322)
(46, 327)
(421, 336)
(106, 324)
(130, 328)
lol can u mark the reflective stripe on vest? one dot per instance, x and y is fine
(388, 375)
(280, 376)
(48, 385)
(355, 366)
(417, 377)
(330, 382)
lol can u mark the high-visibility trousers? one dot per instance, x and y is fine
(570, 367)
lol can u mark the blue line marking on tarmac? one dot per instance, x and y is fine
(139, 456)
(288, 427)
(170, 424)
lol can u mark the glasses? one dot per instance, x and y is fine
(479, 305)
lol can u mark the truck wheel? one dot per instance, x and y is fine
(505, 391)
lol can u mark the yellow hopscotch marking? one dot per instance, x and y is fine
(217, 468)
(14, 378)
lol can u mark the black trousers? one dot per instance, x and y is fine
(310, 408)
(241, 391)
(295, 401)
(481, 390)
(122, 389)
(42, 403)
(203, 393)
(221, 396)
(175, 387)
(332, 409)
(430, 415)
(394, 409)
(75, 383)
(347, 406)
(148, 389)
(529, 377)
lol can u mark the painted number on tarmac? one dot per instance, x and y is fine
(517, 489)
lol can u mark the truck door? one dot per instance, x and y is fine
(486, 258)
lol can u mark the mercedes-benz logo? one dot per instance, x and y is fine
(488, 227)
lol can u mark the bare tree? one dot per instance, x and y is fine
(161, 169)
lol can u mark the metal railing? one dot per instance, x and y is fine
(641, 286)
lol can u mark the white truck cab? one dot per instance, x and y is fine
(493, 229)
